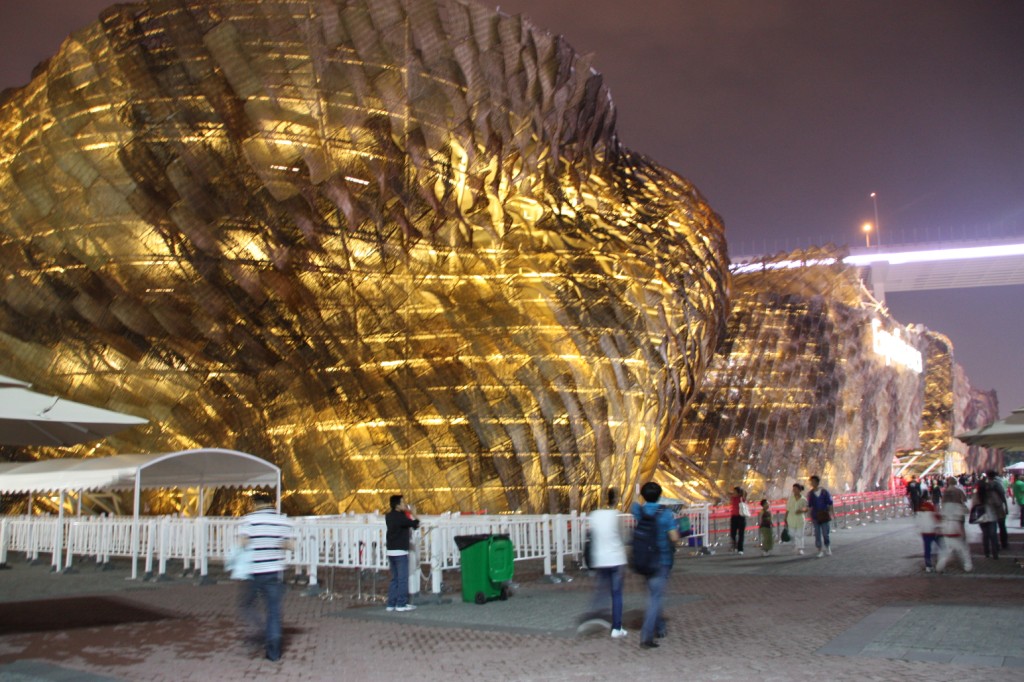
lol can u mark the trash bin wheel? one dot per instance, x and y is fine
(504, 593)
(481, 598)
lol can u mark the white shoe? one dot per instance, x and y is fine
(821, 554)
(799, 551)
(391, 608)
(740, 553)
(828, 551)
(617, 634)
(407, 607)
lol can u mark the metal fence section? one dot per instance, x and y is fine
(357, 542)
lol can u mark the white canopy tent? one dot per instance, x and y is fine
(202, 468)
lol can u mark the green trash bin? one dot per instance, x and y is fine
(486, 566)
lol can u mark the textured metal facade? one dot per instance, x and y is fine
(797, 388)
(391, 245)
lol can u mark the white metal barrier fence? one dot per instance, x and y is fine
(347, 542)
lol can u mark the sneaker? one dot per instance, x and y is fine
(828, 551)
(928, 569)
(616, 634)
(407, 607)
(391, 608)
(740, 553)
(799, 551)
(650, 644)
(821, 554)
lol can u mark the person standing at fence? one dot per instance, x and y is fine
(268, 535)
(766, 526)
(667, 535)
(400, 522)
(738, 512)
(608, 558)
(796, 515)
(819, 503)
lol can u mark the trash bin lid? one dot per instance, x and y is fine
(464, 541)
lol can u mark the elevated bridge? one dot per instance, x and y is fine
(930, 266)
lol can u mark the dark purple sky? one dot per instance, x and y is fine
(787, 114)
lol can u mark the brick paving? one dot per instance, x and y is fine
(868, 612)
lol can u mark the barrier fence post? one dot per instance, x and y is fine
(546, 543)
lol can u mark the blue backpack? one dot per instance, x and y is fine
(646, 557)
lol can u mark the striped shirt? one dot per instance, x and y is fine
(267, 532)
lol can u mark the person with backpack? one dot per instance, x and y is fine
(654, 539)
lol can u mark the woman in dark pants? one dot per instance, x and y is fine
(984, 495)
(737, 519)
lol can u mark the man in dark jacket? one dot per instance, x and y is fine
(819, 505)
(400, 522)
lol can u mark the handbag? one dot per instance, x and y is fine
(822, 516)
(785, 536)
(744, 508)
(588, 551)
(977, 515)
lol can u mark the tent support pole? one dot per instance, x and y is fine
(58, 538)
(135, 527)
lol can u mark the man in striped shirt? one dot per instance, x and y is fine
(268, 535)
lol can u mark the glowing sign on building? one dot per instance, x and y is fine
(894, 349)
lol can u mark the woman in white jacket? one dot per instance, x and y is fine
(608, 558)
(796, 515)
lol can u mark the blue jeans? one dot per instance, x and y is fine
(821, 531)
(654, 623)
(269, 586)
(929, 540)
(398, 588)
(610, 578)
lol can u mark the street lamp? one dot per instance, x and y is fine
(867, 234)
(878, 228)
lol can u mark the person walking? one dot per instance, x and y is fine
(765, 526)
(819, 503)
(738, 513)
(998, 486)
(1018, 494)
(928, 526)
(400, 523)
(796, 515)
(267, 535)
(953, 540)
(914, 492)
(667, 535)
(608, 558)
(986, 495)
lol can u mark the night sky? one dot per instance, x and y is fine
(787, 114)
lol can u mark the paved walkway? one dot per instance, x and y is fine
(869, 612)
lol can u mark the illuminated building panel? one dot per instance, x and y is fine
(390, 245)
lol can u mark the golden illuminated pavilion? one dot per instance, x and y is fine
(814, 376)
(391, 245)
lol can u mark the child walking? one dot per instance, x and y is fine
(767, 542)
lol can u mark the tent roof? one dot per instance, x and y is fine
(210, 467)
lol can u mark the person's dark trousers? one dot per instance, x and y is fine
(1004, 537)
(990, 539)
(654, 622)
(398, 589)
(737, 529)
(929, 541)
(269, 587)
